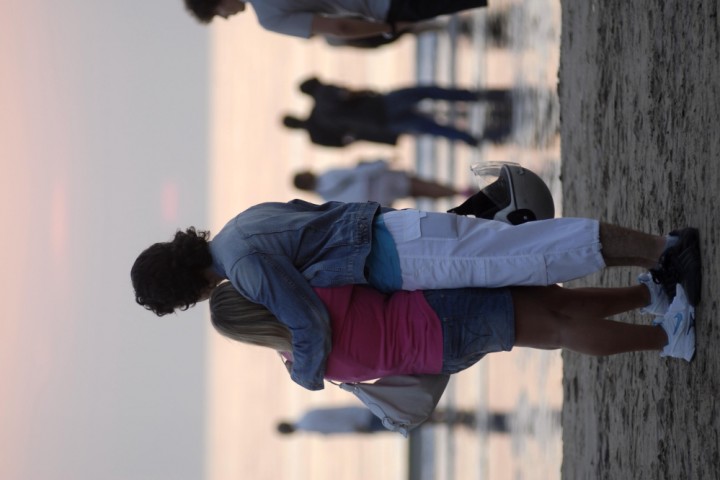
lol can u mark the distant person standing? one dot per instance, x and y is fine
(334, 420)
(495, 33)
(371, 181)
(338, 18)
(341, 116)
(352, 419)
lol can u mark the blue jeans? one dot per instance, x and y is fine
(475, 322)
(415, 10)
(404, 117)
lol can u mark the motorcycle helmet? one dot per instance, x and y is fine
(509, 193)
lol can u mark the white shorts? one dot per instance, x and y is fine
(440, 250)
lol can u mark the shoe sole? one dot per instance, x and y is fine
(687, 261)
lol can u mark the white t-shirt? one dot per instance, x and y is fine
(294, 17)
(370, 181)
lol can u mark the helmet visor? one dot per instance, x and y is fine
(494, 183)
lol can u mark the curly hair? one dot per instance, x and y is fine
(203, 10)
(171, 275)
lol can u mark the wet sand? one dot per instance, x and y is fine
(640, 96)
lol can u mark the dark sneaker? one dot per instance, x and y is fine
(680, 264)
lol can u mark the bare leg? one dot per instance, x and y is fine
(553, 317)
(622, 246)
(588, 302)
(424, 188)
(433, 25)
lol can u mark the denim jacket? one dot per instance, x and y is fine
(273, 253)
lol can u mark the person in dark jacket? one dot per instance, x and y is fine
(342, 116)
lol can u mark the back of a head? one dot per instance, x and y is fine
(309, 85)
(203, 10)
(240, 319)
(305, 181)
(285, 428)
(171, 275)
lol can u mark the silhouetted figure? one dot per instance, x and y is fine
(341, 116)
(356, 419)
(496, 32)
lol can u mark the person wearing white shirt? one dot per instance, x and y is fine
(371, 181)
(337, 18)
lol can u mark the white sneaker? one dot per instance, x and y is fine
(679, 325)
(659, 302)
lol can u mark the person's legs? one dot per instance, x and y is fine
(623, 246)
(474, 321)
(500, 96)
(586, 302)
(672, 259)
(498, 123)
(400, 101)
(410, 96)
(554, 317)
(424, 188)
(419, 124)
(437, 250)
(417, 10)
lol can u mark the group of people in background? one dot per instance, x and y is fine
(341, 116)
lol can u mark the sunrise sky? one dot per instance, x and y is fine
(119, 123)
(106, 147)
(103, 140)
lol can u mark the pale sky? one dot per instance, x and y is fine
(110, 135)
(103, 140)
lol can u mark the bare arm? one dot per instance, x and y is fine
(353, 27)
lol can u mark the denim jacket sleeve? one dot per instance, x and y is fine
(273, 281)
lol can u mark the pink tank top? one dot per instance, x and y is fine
(376, 335)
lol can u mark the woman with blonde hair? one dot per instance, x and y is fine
(446, 331)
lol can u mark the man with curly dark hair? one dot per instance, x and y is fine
(351, 19)
(175, 275)
(275, 253)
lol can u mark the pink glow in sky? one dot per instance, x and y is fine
(59, 219)
(169, 201)
(99, 103)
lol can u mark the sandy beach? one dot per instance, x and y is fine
(640, 96)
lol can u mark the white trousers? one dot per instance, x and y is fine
(440, 250)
